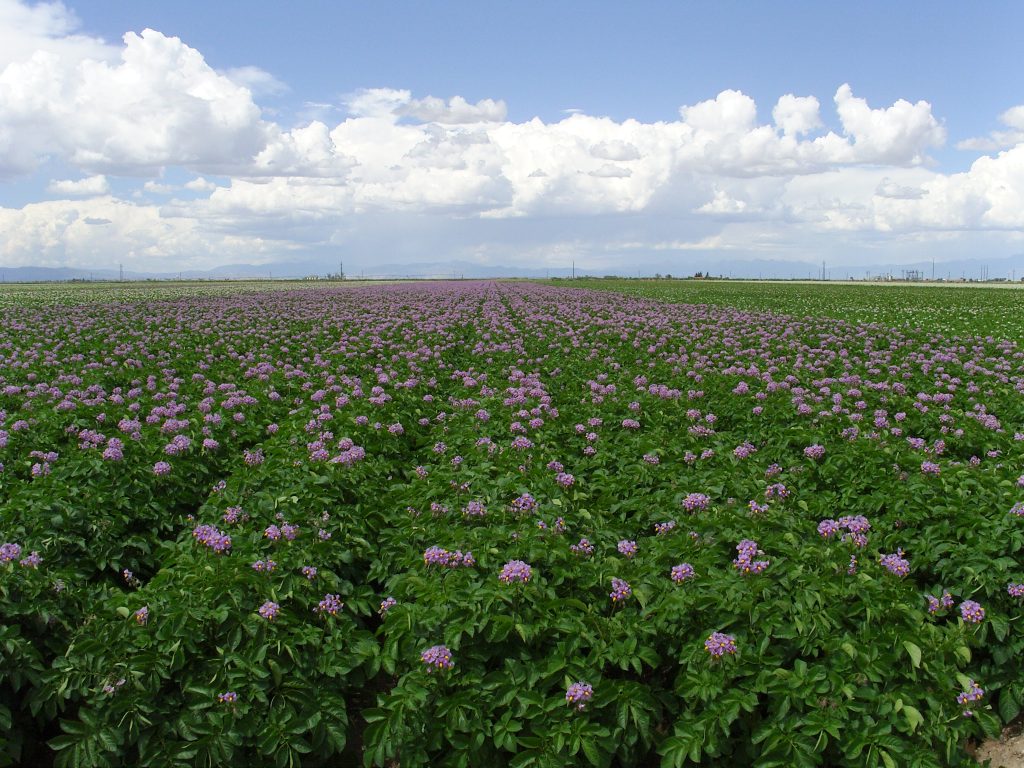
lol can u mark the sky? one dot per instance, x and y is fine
(619, 137)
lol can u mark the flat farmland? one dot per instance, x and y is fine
(504, 523)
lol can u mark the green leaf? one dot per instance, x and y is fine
(1009, 706)
(914, 718)
(915, 653)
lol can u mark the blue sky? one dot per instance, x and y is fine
(526, 133)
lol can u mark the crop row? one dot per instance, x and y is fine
(488, 524)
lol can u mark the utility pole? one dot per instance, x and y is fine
(574, 269)
(823, 269)
(121, 273)
(933, 269)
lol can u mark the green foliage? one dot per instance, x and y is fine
(833, 665)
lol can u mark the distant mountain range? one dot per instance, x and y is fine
(970, 269)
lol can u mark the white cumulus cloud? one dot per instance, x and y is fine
(1013, 135)
(150, 108)
(92, 185)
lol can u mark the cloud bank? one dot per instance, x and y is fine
(457, 172)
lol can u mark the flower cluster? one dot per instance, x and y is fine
(627, 548)
(661, 529)
(474, 509)
(1015, 590)
(386, 605)
(515, 571)
(564, 479)
(209, 536)
(264, 566)
(682, 572)
(972, 612)
(745, 562)
(719, 644)
(973, 693)
(896, 564)
(936, 604)
(578, 694)
(855, 527)
(620, 590)
(141, 616)
(269, 610)
(814, 451)
(437, 657)
(696, 502)
(331, 604)
(445, 559)
(110, 688)
(228, 697)
(583, 547)
(523, 504)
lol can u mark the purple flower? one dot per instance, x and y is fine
(309, 572)
(930, 468)
(264, 566)
(695, 502)
(583, 547)
(161, 468)
(1018, 508)
(525, 503)
(719, 644)
(896, 564)
(972, 612)
(564, 479)
(9, 552)
(936, 604)
(437, 657)
(627, 548)
(228, 697)
(814, 451)
(444, 558)
(269, 610)
(972, 694)
(474, 509)
(661, 529)
(331, 604)
(231, 514)
(141, 616)
(212, 538)
(386, 605)
(745, 562)
(1015, 590)
(515, 570)
(828, 527)
(744, 450)
(272, 532)
(578, 694)
(620, 590)
(682, 572)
